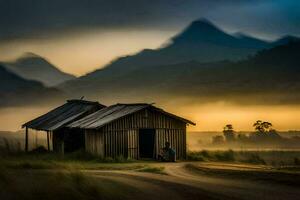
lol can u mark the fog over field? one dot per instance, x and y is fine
(208, 117)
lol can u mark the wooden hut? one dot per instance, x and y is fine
(54, 124)
(132, 130)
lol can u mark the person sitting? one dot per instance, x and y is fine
(167, 154)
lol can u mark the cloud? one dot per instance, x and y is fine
(41, 18)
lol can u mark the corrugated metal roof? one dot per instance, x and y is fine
(111, 113)
(62, 115)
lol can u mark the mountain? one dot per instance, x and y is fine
(34, 67)
(285, 40)
(271, 76)
(201, 41)
(15, 90)
(254, 42)
(199, 49)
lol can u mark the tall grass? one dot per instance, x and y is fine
(211, 155)
(254, 158)
(18, 181)
(274, 158)
(67, 185)
(9, 151)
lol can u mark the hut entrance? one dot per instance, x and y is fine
(66, 140)
(74, 140)
(146, 142)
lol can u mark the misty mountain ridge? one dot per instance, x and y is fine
(201, 61)
(201, 41)
(203, 31)
(269, 77)
(198, 45)
(15, 90)
(34, 67)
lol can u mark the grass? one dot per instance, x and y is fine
(274, 158)
(26, 164)
(254, 158)
(44, 175)
(68, 162)
(211, 156)
(77, 160)
(82, 160)
(65, 185)
(68, 165)
(155, 170)
(283, 176)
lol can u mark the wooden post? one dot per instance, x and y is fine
(26, 139)
(63, 148)
(185, 145)
(48, 144)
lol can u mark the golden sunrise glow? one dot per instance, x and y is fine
(209, 117)
(213, 117)
(80, 53)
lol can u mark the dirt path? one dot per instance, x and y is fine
(182, 182)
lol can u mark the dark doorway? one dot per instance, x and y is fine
(146, 142)
(74, 140)
(68, 140)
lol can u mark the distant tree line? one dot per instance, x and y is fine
(264, 132)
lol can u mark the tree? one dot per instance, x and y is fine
(229, 133)
(262, 127)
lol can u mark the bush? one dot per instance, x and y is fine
(254, 158)
(296, 161)
(39, 149)
(205, 154)
(118, 159)
(34, 164)
(211, 156)
(80, 155)
(225, 156)
(195, 156)
(121, 159)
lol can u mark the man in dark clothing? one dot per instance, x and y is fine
(167, 154)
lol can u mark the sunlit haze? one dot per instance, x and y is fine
(208, 117)
(80, 53)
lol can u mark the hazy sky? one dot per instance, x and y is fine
(79, 36)
(208, 117)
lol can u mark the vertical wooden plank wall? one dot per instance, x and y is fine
(94, 142)
(121, 136)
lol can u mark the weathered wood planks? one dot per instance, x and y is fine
(120, 137)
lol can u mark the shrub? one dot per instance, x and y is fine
(34, 165)
(80, 155)
(118, 159)
(205, 154)
(296, 161)
(214, 156)
(39, 149)
(195, 156)
(254, 158)
(225, 156)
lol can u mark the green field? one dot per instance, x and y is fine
(204, 175)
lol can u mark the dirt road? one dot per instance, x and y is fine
(206, 181)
